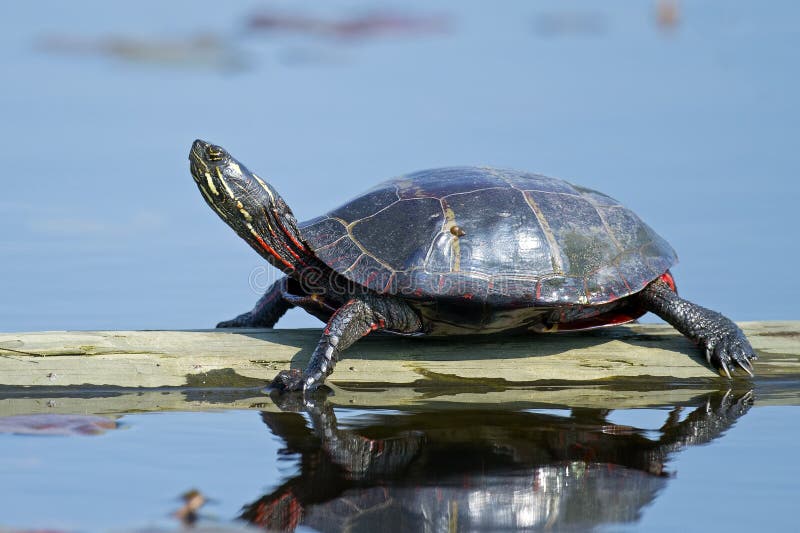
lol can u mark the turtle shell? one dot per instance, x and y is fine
(494, 236)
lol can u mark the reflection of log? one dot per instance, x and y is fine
(109, 402)
(648, 358)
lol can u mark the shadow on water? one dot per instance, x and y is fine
(476, 469)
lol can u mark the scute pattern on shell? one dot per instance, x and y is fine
(528, 240)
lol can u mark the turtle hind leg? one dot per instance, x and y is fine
(722, 340)
(269, 308)
(358, 317)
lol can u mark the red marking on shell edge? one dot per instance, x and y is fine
(599, 321)
(468, 296)
(621, 319)
(418, 292)
(667, 278)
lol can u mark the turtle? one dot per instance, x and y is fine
(456, 251)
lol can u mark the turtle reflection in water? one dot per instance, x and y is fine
(456, 251)
(473, 470)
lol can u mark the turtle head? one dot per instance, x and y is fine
(223, 180)
(249, 205)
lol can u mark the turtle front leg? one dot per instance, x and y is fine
(722, 340)
(358, 317)
(266, 312)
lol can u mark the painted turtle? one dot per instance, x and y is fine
(456, 251)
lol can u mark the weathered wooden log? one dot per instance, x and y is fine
(250, 358)
(632, 366)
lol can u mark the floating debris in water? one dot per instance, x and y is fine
(212, 51)
(204, 50)
(376, 24)
(56, 424)
(668, 14)
(193, 500)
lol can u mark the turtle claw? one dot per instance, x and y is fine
(725, 368)
(709, 352)
(287, 381)
(729, 349)
(746, 366)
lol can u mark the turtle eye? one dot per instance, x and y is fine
(214, 153)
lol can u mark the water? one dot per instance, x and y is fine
(707, 461)
(693, 125)
(102, 227)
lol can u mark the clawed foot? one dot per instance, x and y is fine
(728, 347)
(287, 381)
(245, 320)
(722, 341)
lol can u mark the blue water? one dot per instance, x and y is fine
(744, 482)
(694, 126)
(101, 226)
(131, 477)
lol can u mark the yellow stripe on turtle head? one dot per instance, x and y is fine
(224, 183)
(265, 187)
(211, 185)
